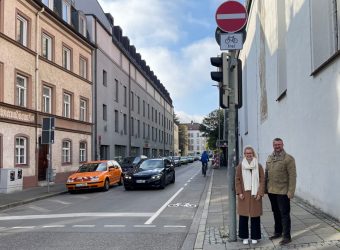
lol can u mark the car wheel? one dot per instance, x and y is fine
(173, 178)
(163, 183)
(106, 185)
(127, 188)
(72, 191)
(121, 181)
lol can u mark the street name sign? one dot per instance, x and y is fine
(231, 16)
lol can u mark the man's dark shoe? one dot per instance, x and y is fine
(285, 241)
(275, 236)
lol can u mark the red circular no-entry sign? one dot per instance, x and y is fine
(231, 16)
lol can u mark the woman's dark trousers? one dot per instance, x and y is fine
(255, 227)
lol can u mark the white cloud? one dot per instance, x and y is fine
(186, 118)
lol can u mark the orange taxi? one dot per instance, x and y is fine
(95, 174)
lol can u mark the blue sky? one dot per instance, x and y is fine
(176, 39)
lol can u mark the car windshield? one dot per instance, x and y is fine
(176, 158)
(130, 160)
(92, 167)
(151, 164)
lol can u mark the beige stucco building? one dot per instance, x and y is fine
(45, 71)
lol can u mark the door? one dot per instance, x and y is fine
(42, 162)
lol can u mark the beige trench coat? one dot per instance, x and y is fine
(249, 206)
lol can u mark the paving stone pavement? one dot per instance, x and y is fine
(311, 228)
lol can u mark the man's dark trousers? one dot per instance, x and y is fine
(281, 210)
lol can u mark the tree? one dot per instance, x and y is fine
(183, 139)
(212, 127)
(176, 119)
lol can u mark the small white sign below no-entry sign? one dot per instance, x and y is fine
(231, 41)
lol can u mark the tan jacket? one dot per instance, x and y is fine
(280, 174)
(249, 206)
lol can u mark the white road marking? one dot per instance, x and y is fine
(39, 209)
(53, 226)
(80, 197)
(114, 225)
(174, 226)
(144, 225)
(231, 16)
(153, 217)
(73, 215)
(83, 226)
(61, 202)
(27, 227)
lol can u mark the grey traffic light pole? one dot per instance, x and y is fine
(232, 148)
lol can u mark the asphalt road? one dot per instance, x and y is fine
(117, 219)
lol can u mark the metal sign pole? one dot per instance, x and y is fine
(231, 152)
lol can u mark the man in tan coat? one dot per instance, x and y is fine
(280, 185)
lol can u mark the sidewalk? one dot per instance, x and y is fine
(30, 195)
(311, 229)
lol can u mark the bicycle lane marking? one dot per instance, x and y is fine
(165, 205)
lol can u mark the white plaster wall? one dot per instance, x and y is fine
(308, 117)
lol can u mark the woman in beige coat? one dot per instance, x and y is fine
(249, 185)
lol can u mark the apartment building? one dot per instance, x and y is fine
(196, 141)
(133, 110)
(45, 71)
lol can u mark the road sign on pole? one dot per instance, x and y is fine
(231, 16)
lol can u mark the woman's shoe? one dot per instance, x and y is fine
(253, 241)
(245, 242)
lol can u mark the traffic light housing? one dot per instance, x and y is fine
(222, 77)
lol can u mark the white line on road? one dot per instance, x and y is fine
(144, 225)
(174, 226)
(149, 221)
(27, 227)
(61, 202)
(39, 209)
(53, 226)
(114, 225)
(83, 226)
(72, 215)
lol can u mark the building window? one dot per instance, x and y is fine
(66, 58)
(66, 8)
(148, 111)
(152, 114)
(83, 67)
(132, 101)
(117, 90)
(66, 151)
(104, 78)
(132, 130)
(48, 3)
(143, 130)
(22, 30)
(47, 99)
(21, 91)
(116, 121)
(138, 128)
(138, 105)
(1, 79)
(82, 25)
(83, 110)
(143, 108)
(125, 124)
(67, 105)
(125, 96)
(21, 147)
(104, 112)
(82, 151)
(46, 47)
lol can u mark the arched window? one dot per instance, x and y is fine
(66, 152)
(82, 151)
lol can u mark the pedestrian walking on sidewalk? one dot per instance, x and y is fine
(280, 185)
(249, 185)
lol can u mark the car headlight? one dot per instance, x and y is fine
(70, 180)
(128, 177)
(156, 177)
(94, 178)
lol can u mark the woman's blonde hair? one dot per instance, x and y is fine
(249, 148)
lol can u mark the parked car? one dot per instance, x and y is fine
(150, 173)
(176, 161)
(183, 160)
(95, 174)
(130, 162)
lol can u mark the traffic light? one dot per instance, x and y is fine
(222, 77)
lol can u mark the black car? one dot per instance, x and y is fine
(176, 160)
(150, 173)
(130, 162)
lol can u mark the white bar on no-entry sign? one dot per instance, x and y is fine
(231, 16)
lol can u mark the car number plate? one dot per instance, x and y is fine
(140, 181)
(81, 185)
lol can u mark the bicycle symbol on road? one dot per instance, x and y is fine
(189, 205)
(231, 39)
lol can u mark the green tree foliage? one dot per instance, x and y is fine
(176, 119)
(210, 127)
